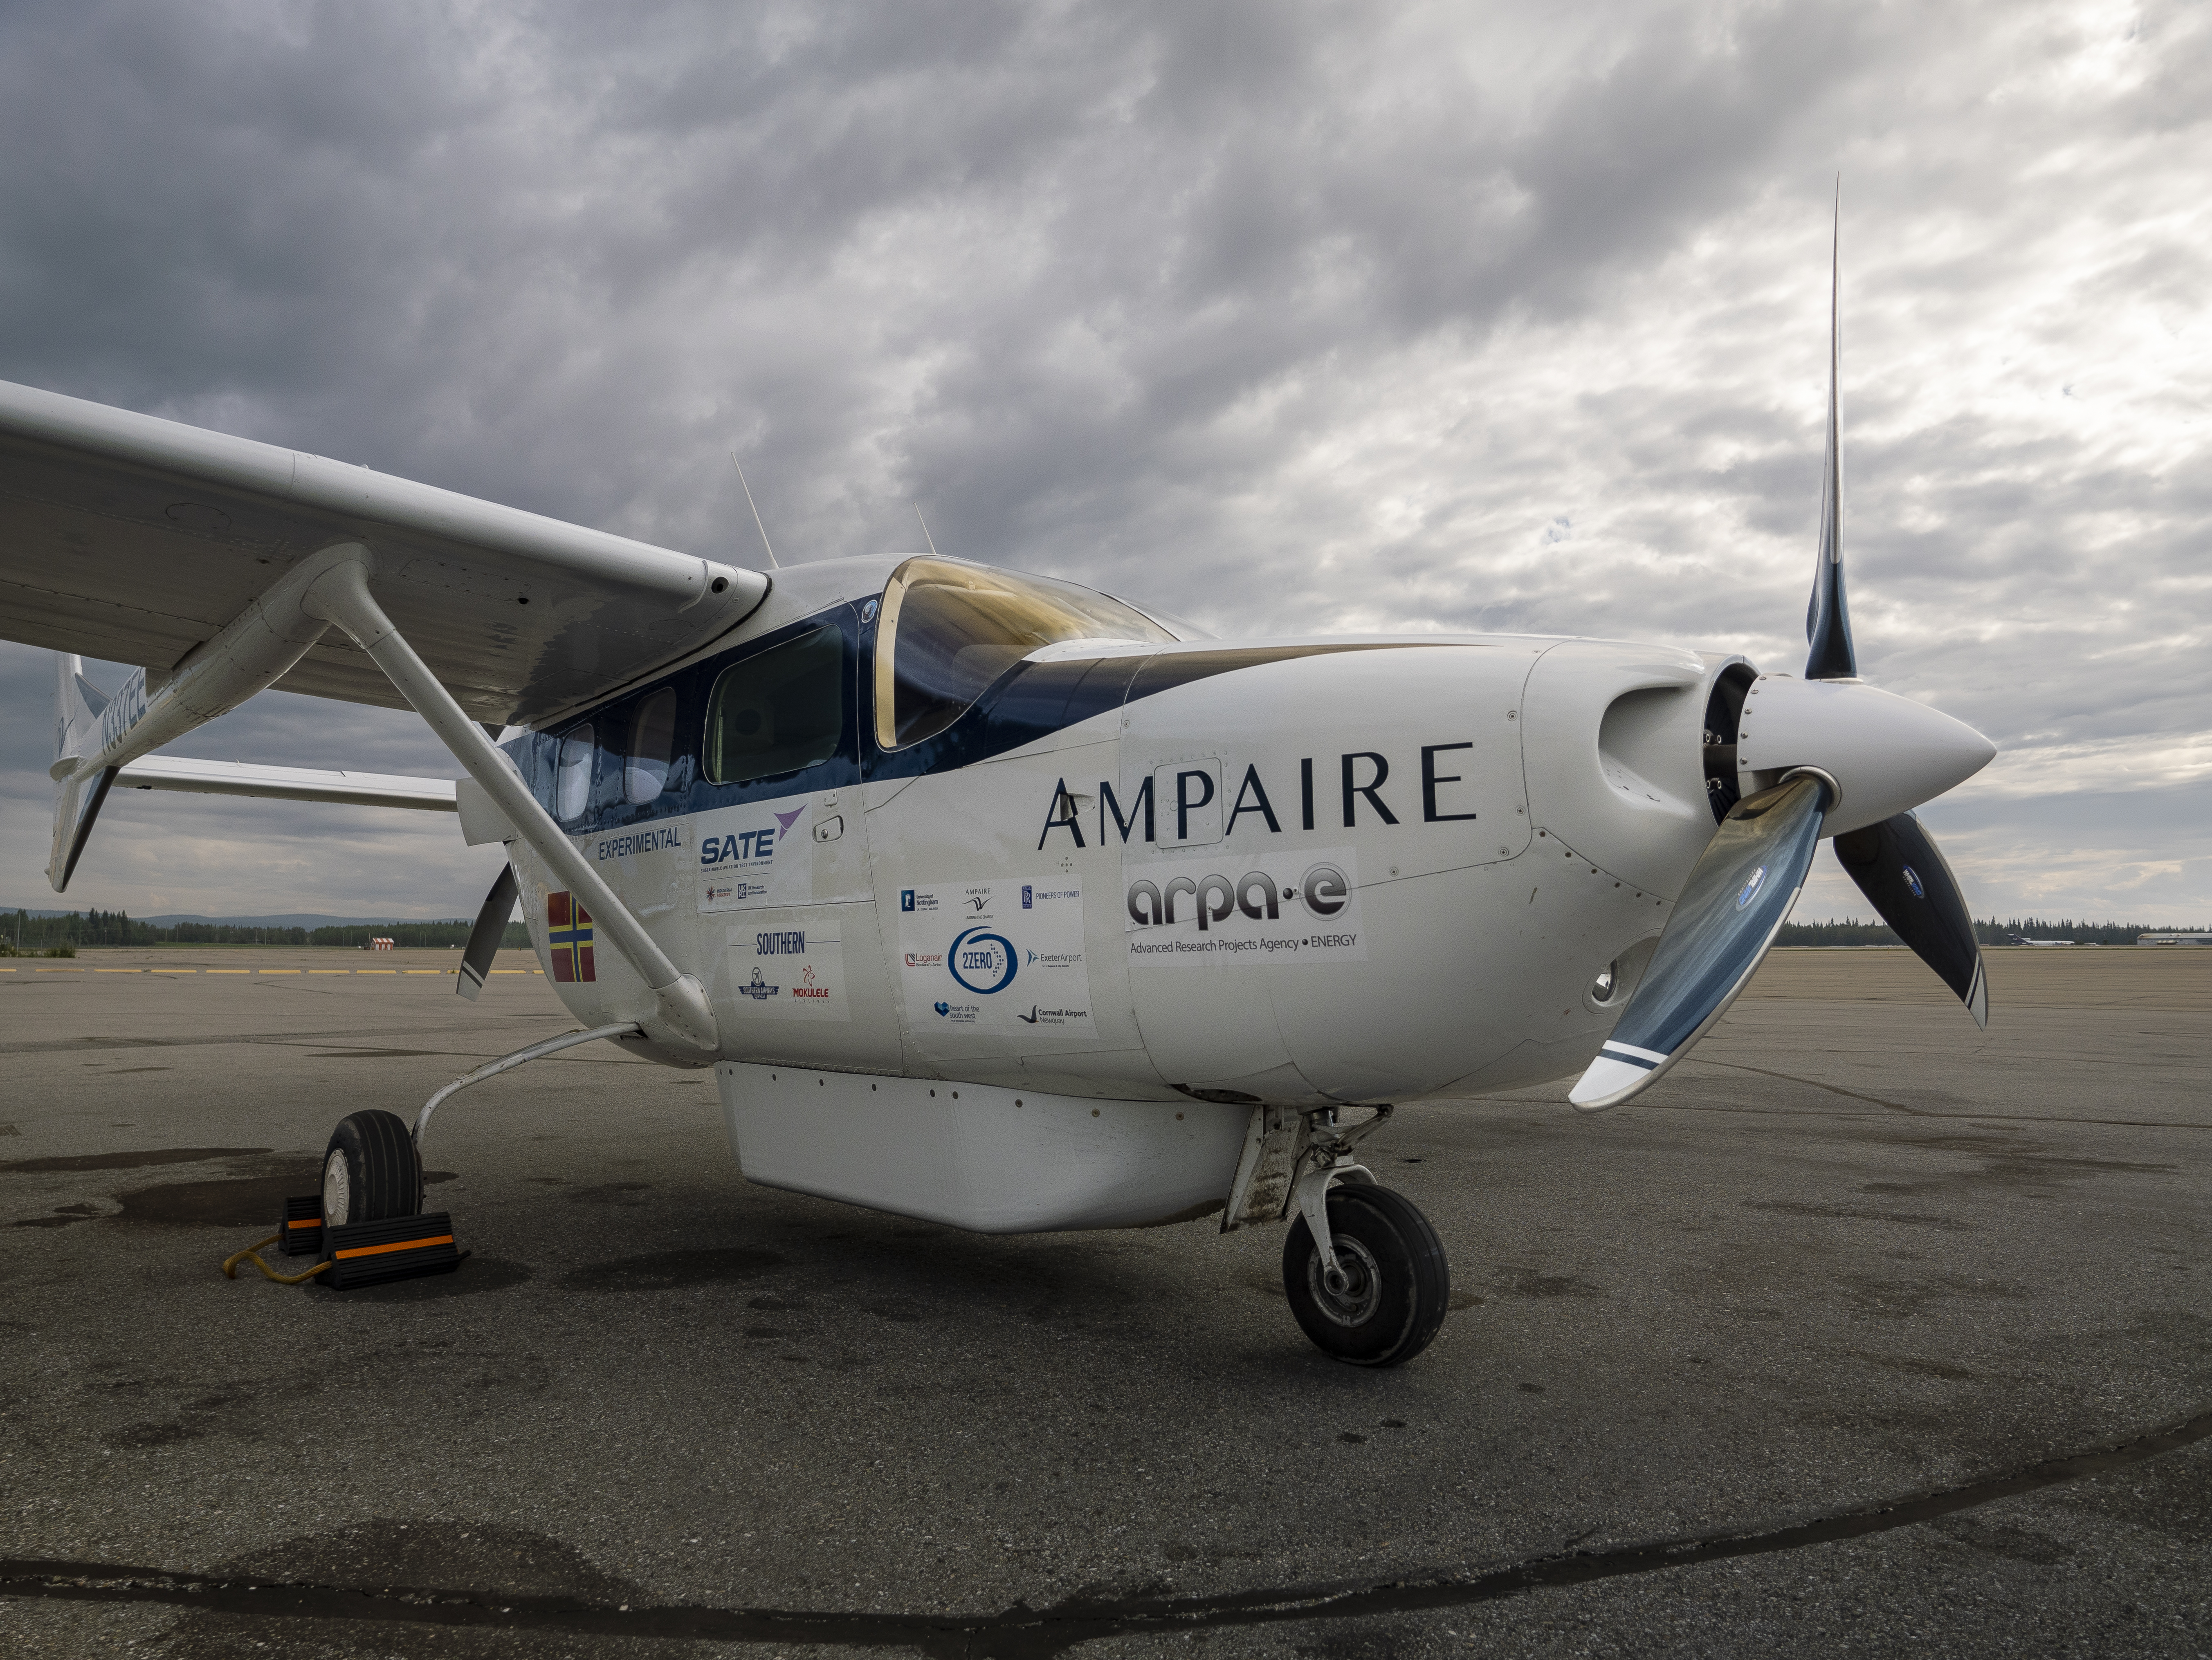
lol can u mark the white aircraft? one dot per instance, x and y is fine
(990, 899)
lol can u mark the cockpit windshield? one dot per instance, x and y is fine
(950, 629)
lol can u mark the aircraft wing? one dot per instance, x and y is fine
(135, 539)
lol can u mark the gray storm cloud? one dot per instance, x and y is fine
(1285, 318)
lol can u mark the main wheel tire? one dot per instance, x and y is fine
(371, 1170)
(1399, 1284)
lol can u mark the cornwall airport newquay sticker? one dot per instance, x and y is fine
(788, 965)
(1272, 907)
(1003, 955)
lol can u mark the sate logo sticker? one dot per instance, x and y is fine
(1751, 888)
(748, 856)
(568, 937)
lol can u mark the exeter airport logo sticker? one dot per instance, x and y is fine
(568, 937)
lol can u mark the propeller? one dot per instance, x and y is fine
(484, 937)
(1823, 756)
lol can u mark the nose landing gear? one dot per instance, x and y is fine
(1387, 1297)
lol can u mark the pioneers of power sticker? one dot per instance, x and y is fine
(1302, 908)
(789, 965)
(978, 954)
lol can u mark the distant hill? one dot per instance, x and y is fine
(40, 930)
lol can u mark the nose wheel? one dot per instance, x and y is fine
(1386, 1298)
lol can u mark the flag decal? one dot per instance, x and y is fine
(569, 933)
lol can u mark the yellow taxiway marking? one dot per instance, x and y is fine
(226, 970)
(119, 970)
(376, 971)
(326, 971)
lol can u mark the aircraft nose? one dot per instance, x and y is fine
(1887, 753)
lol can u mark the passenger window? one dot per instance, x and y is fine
(572, 794)
(950, 629)
(652, 747)
(778, 711)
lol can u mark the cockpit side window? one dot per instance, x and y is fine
(950, 629)
(572, 793)
(652, 747)
(778, 710)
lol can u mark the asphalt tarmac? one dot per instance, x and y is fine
(1862, 1331)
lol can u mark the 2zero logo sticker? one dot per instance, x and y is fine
(982, 961)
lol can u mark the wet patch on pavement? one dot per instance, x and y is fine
(671, 1270)
(250, 1198)
(137, 1161)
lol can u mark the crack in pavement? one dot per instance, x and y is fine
(1021, 1632)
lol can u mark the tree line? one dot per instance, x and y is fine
(98, 927)
(1989, 932)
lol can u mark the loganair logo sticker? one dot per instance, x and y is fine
(568, 937)
(1913, 881)
(1751, 888)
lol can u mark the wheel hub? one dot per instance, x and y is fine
(1352, 1302)
(338, 1189)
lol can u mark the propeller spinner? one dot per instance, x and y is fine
(1825, 756)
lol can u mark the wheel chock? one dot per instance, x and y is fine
(397, 1248)
(300, 1226)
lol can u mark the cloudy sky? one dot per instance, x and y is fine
(1282, 317)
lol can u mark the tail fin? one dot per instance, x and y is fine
(78, 705)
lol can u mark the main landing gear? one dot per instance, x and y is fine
(371, 1171)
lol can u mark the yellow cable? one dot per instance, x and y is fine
(230, 1264)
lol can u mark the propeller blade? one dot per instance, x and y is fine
(1827, 619)
(1898, 867)
(1731, 908)
(484, 937)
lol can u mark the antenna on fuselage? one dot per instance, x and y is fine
(926, 535)
(757, 525)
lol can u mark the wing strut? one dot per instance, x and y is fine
(341, 595)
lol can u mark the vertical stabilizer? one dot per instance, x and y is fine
(78, 705)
